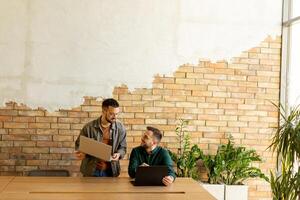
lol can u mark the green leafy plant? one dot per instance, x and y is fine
(285, 185)
(286, 143)
(186, 157)
(232, 165)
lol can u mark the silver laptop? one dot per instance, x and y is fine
(94, 148)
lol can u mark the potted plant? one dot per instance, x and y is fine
(186, 157)
(286, 143)
(231, 166)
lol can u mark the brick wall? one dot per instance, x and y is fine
(217, 98)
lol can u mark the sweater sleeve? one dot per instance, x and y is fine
(133, 163)
(167, 160)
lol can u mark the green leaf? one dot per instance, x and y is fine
(187, 156)
(232, 165)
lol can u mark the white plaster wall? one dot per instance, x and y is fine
(54, 52)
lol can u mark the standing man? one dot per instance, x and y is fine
(150, 153)
(108, 130)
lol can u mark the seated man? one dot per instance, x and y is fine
(149, 153)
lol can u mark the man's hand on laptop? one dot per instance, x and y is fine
(167, 180)
(80, 155)
(144, 165)
(115, 157)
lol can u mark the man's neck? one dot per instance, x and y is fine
(149, 150)
(103, 122)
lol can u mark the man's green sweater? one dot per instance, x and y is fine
(159, 156)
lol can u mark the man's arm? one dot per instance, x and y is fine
(123, 144)
(167, 160)
(80, 155)
(133, 163)
(83, 132)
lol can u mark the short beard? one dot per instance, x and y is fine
(146, 146)
(110, 121)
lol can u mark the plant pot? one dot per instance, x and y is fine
(236, 192)
(215, 190)
(227, 192)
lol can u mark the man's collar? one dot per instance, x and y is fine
(98, 125)
(153, 151)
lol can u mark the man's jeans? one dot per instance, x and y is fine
(102, 173)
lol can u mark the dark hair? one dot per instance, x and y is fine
(156, 133)
(110, 102)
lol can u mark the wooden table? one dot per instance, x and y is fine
(4, 180)
(75, 188)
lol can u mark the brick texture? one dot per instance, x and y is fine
(218, 99)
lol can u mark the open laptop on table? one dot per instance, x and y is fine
(150, 175)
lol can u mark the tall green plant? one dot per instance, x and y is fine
(232, 165)
(284, 185)
(286, 143)
(186, 157)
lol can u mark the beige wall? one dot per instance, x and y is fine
(67, 49)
